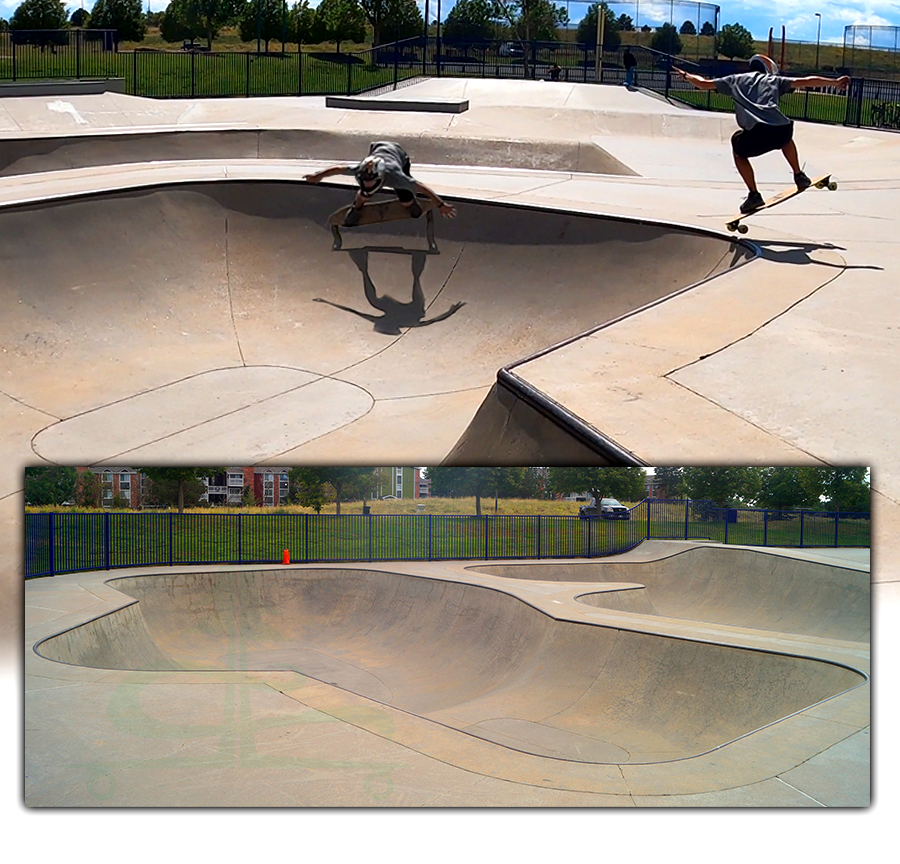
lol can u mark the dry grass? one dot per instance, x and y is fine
(433, 506)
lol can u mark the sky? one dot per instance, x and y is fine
(798, 16)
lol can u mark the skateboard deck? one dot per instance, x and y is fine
(823, 182)
(376, 212)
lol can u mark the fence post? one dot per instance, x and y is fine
(837, 517)
(193, 59)
(429, 537)
(306, 535)
(52, 543)
(78, 53)
(765, 527)
(485, 538)
(106, 536)
(134, 74)
(726, 526)
(539, 536)
(801, 529)
(299, 70)
(170, 540)
(240, 551)
(349, 78)
(370, 538)
(648, 520)
(590, 520)
(687, 504)
(247, 76)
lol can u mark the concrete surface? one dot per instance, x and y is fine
(400, 685)
(791, 358)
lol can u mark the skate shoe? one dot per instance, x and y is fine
(753, 202)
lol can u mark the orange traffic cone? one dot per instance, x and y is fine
(286, 558)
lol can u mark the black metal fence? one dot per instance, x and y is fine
(87, 54)
(71, 542)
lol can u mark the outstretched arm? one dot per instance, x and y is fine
(819, 81)
(446, 209)
(698, 81)
(326, 172)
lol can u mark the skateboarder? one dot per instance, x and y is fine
(763, 127)
(386, 165)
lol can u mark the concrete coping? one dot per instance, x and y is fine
(62, 88)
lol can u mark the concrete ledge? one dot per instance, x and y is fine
(445, 106)
(62, 88)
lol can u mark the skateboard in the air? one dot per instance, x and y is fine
(383, 211)
(823, 182)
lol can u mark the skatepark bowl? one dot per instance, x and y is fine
(159, 320)
(559, 663)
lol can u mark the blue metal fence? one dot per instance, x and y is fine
(65, 542)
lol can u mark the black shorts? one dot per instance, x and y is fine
(761, 139)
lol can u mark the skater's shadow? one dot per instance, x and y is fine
(396, 315)
(786, 252)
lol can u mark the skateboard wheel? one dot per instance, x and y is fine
(742, 229)
(832, 185)
(732, 226)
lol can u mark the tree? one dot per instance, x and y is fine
(80, 18)
(49, 486)
(301, 22)
(470, 19)
(708, 29)
(308, 483)
(587, 29)
(124, 16)
(450, 482)
(392, 20)
(625, 23)
(174, 484)
(40, 15)
(733, 40)
(844, 489)
(88, 489)
(724, 486)
(666, 39)
(669, 480)
(264, 20)
(625, 484)
(783, 489)
(339, 20)
(688, 29)
(189, 19)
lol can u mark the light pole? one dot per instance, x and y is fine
(818, 37)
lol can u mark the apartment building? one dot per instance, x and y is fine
(401, 483)
(270, 486)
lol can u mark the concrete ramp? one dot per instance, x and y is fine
(465, 656)
(216, 321)
(734, 586)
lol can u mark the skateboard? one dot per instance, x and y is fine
(823, 182)
(383, 211)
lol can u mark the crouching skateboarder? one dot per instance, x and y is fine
(387, 165)
(763, 128)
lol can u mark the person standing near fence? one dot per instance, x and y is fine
(763, 128)
(630, 68)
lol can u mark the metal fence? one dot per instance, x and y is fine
(71, 542)
(84, 54)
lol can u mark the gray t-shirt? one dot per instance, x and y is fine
(756, 97)
(395, 165)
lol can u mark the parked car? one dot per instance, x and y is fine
(609, 509)
(511, 49)
(612, 509)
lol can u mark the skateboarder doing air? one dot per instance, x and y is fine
(763, 127)
(386, 165)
